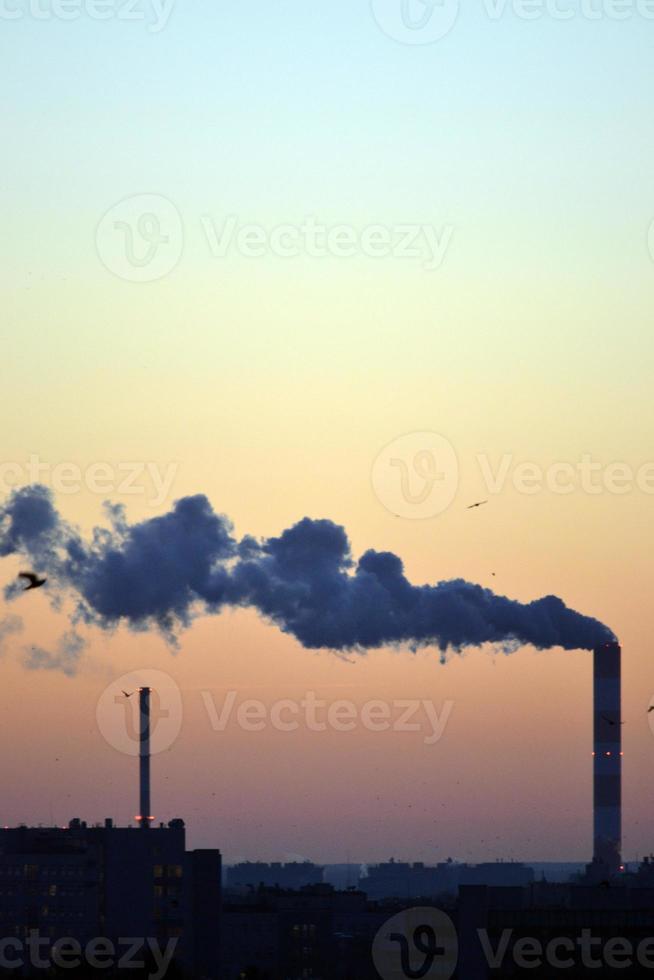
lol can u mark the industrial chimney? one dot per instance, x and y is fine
(607, 766)
(144, 757)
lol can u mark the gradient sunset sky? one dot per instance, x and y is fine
(272, 385)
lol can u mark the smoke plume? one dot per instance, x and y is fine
(9, 627)
(164, 571)
(66, 658)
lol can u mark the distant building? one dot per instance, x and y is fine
(342, 876)
(546, 930)
(275, 934)
(85, 882)
(561, 871)
(499, 873)
(399, 880)
(295, 875)
(644, 873)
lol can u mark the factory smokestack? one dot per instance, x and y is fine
(165, 571)
(607, 758)
(144, 757)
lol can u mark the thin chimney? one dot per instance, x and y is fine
(607, 769)
(144, 757)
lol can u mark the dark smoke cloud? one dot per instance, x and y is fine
(9, 627)
(164, 571)
(66, 658)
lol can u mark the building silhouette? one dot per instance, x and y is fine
(294, 875)
(112, 882)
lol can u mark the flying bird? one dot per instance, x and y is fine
(34, 581)
(651, 708)
(609, 721)
(479, 504)
(128, 695)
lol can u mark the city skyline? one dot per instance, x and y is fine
(310, 265)
(248, 715)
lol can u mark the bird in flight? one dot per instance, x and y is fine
(651, 708)
(479, 504)
(34, 581)
(610, 721)
(128, 695)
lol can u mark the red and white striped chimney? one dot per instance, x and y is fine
(607, 782)
(144, 758)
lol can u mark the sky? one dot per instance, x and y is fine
(167, 316)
